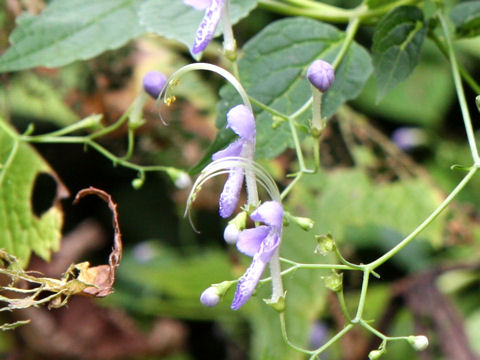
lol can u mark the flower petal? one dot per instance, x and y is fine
(248, 282)
(270, 213)
(250, 240)
(234, 149)
(231, 192)
(240, 119)
(197, 4)
(269, 245)
(207, 27)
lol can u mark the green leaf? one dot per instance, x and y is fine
(273, 72)
(397, 105)
(71, 30)
(397, 45)
(466, 18)
(350, 202)
(21, 230)
(32, 97)
(175, 20)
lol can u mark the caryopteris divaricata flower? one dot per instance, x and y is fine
(206, 29)
(153, 83)
(321, 75)
(240, 119)
(260, 243)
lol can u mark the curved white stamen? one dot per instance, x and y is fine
(172, 80)
(224, 166)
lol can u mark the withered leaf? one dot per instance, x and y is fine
(101, 277)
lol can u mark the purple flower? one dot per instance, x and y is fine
(153, 83)
(260, 243)
(206, 29)
(321, 75)
(240, 119)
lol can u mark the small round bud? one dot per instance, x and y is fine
(137, 183)
(321, 75)
(210, 297)
(183, 181)
(231, 234)
(375, 354)
(153, 83)
(419, 343)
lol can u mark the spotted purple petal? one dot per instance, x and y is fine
(250, 240)
(234, 149)
(197, 4)
(231, 192)
(269, 245)
(207, 27)
(270, 213)
(248, 282)
(240, 119)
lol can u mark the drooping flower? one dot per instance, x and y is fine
(260, 243)
(240, 119)
(206, 29)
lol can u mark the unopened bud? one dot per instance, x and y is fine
(304, 222)
(231, 234)
(137, 183)
(419, 343)
(153, 83)
(179, 177)
(234, 227)
(210, 297)
(321, 75)
(375, 354)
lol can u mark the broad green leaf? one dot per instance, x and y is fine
(273, 72)
(466, 18)
(397, 105)
(29, 96)
(175, 20)
(71, 30)
(352, 205)
(397, 45)
(21, 230)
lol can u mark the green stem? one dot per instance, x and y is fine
(329, 13)
(363, 295)
(285, 336)
(460, 92)
(426, 222)
(333, 340)
(343, 305)
(350, 33)
(463, 72)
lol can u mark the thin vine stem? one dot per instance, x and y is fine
(460, 92)
(426, 222)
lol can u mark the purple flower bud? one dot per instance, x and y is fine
(321, 75)
(153, 83)
(210, 297)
